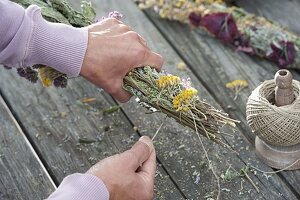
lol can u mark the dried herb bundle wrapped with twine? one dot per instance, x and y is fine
(248, 33)
(176, 98)
(166, 93)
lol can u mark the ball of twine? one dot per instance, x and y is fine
(275, 125)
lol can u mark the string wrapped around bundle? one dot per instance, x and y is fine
(275, 125)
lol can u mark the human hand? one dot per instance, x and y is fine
(129, 175)
(113, 50)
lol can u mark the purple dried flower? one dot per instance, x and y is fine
(242, 44)
(7, 67)
(28, 73)
(37, 66)
(113, 14)
(222, 25)
(116, 15)
(284, 54)
(186, 83)
(195, 19)
(61, 81)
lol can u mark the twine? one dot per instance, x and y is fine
(275, 125)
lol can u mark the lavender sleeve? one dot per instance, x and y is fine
(80, 187)
(27, 39)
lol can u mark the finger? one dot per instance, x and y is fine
(149, 166)
(111, 21)
(153, 59)
(141, 152)
(122, 95)
(143, 41)
(104, 24)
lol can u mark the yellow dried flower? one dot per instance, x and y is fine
(50, 76)
(214, 1)
(45, 78)
(237, 86)
(46, 82)
(167, 80)
(181, 66)
(161, 2)
(183, 100)
(179, 3)
(163, 13)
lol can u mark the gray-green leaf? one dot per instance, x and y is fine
(87, 10)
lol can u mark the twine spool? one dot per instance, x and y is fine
(275, 125)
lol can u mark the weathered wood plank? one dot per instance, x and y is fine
(215, 65)
(287, 13)
(22, 175)
(71, 135)
(178, 148)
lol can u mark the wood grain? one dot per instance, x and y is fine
(56, 119)
(22, 175)
(286, 13)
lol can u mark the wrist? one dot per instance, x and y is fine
(56, 45)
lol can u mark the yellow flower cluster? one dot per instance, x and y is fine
(175, 9)
(180, 3)
(183, 100)
(167, 80)
(45, 79)
(46, 82)
(237, 84)
(209, 1)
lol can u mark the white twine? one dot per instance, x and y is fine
(275, 125)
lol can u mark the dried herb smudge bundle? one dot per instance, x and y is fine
(248, 33)
(175, 97)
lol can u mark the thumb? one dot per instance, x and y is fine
(140, 152)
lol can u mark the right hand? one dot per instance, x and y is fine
(129, 175)
(113, 50)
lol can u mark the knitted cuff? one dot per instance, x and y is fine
(59, 46)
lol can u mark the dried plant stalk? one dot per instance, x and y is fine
(247, 32)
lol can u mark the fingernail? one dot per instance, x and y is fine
(146, 140)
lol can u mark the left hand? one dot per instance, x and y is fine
(129, 175)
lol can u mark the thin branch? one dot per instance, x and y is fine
(159, 129)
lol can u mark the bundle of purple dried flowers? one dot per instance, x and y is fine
(248, 33)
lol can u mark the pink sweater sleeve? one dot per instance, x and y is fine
(27, 39)
(80, 187)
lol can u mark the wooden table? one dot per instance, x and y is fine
(48, 133)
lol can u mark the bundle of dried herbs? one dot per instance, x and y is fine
(164, 92)
(175, 97)
(247, 32)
